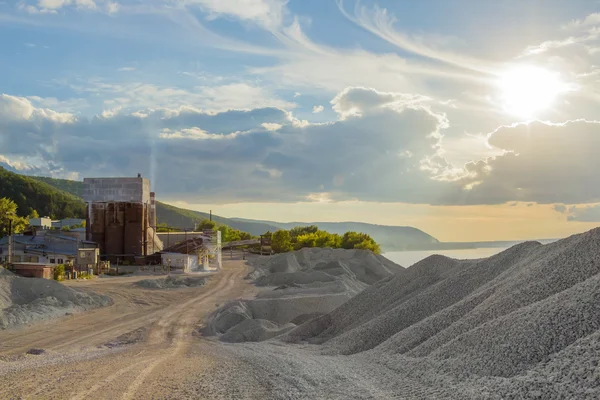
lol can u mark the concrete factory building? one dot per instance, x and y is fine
(121, 217)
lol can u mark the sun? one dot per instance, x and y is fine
(528, 90)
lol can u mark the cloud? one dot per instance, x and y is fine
(561, 208)
(357, 100)
(175, 146)
(585, 213)
(266, 13)
(384, 147)
(239, 95)
(543, 163)
(126, 69)
(381, 23)
(317, 109)
(590, 20)
(58, 4)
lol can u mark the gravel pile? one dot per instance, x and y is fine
(524, 323)
(27, 300)
(298, 286)
(172, 282)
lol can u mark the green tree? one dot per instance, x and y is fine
(8, 217)
(306, 240)
(245, 236)
(229, 234)
(303, 230)
(281, 241)
(164, 228)
(33, 214)
(354, 240)
(326, 239)
(206, 224)
(65, 228)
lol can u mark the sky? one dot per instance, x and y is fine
(471, 120)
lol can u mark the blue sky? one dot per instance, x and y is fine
(433, 111)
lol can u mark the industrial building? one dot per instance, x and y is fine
(40, 223)
(46, 247)
(121, 217)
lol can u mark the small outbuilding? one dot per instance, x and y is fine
(180, 262)
(33, 270)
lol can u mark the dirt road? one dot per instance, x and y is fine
(144, 346)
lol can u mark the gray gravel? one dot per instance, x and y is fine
(27, 300)
(297, 286)
(523, 324)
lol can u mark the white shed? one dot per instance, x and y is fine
(179, 261)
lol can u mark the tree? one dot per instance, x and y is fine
(354, 240)
(303, 230)
(33, 214)
(8, 217)
(281, 241)
(206, 225)
(164, 228)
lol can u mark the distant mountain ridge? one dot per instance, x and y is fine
(389, 237)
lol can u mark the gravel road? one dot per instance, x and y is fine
(143, 346)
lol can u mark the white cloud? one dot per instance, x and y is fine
(589, 20)
(239, 95)
(381, 23)
(196, 133)
(112, 7)
(126, 69)
(318, 109)
(267, 13)
(543, 162)
(271, 126)
(358, 100)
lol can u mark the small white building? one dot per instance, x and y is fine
(179, 261)
(41, 223)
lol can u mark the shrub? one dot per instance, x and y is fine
(59, 272)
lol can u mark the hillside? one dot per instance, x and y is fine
(31, 194)
(165, 213)
(388, 237)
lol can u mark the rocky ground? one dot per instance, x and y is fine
(523, 324)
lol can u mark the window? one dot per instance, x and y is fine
(82, 254)
(60, 261)
(52, 261)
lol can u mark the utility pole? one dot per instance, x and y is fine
(210, 215)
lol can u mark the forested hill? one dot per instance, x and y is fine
(388, 237)
(32, 194)
(167, 214)
(61, 198)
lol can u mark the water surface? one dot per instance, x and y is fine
(408, 258)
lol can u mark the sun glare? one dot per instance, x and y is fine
(529, 90)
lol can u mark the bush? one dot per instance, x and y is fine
(309, 236)
(281, 241)
(59, 272)
(84, 275)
